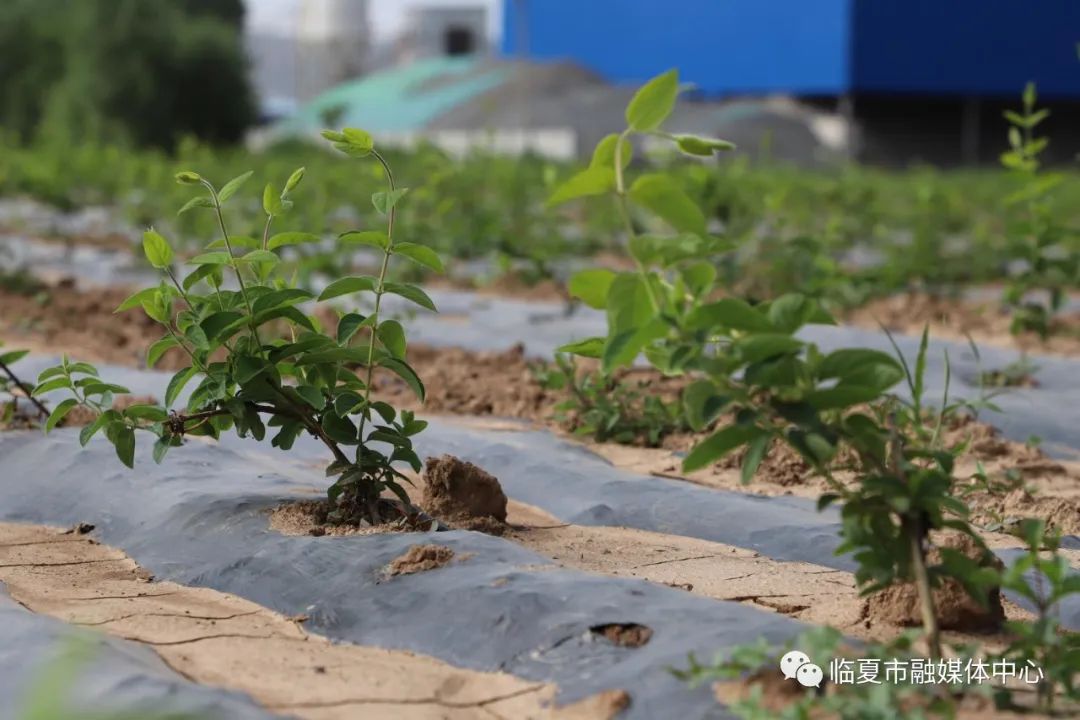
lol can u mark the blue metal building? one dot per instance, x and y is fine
(812, 47)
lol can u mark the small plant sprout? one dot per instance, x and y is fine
(260, 363)
(1047, 258)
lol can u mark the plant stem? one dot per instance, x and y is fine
(232, 263)
(379, 291)
(922, 584)
(624, 211)
(29, 395)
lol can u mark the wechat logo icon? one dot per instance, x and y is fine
(796, 666)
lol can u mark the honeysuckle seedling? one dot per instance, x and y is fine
(755, 382)
(260, 363)
(1046, 254)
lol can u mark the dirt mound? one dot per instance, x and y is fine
(310, 517)
(420, 558)
(463, 495)
(1007, 510)
(957, 610)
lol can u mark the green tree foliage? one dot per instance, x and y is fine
(144, 71)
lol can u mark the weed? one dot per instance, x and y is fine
(248, 368)
(606, 408)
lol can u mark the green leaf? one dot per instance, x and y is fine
(211, 258)
(348, 325)
(217, 325)
(279, 298)
(858, 366)
(152, 413)
(590, 348)
(604, 154)
(90, 430)
(294, 180)
(259, 256)
(702, 404)
(50, 385)
(593, 181)
(842, 396)
(203, 272)
(195, 202)
(385, 201)
(719, 444)
(702, 147)
(161, 446)
(249, 367)
(236, 241)
(232, 186)
(661, 195)
(592, 286)
(622, 347)
(124, 441)
(271, 201)
(59, 412)
(373, 238)
(755, 348)
(420, 254)
(157, 249)
(291, 238)
(154, 353)
(411, 292)
(653, 103)
(312, 395)
(392, 335)
(351, 141)
(755, 453)
(728, 314)
(10, 358)
(406, 373)
(346, 286)
(177, 383)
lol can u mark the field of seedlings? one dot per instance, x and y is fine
(334, 430)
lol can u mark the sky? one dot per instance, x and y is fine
(387, 16)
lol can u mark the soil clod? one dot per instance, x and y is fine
(463, 495)
(420, 558)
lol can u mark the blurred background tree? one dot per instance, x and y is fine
(146, 72)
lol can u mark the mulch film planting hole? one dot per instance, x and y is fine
(630, 635)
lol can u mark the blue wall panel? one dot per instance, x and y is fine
(986, 47)
(723, 46)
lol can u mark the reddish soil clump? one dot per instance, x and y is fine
(957, 610)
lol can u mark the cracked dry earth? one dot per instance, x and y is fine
(222, 640)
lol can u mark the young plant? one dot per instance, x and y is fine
(1044, 578)
(1048, 253)
(760, 384)
(260, 361)
(607, 408)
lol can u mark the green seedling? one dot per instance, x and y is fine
(10, 382)
(751, 370)
(1044, 578)
(1048, 253)
(260, 364)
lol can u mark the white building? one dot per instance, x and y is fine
(333, 39)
